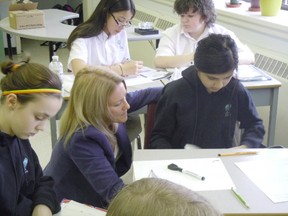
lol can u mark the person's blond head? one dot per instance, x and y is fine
(159, 197)
(88, 102)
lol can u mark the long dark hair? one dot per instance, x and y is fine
(205, 8)
(96, 22)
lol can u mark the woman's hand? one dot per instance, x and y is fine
(131, 67)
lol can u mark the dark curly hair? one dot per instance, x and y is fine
(205, 8)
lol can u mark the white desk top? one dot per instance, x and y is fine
(54, 30)
(224, 199)
(58, 32)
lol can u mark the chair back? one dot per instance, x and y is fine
(149, 122)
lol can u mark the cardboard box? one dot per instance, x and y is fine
(26, 16)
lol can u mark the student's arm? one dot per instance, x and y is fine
(44, 197)
(77, 65)
(249, 121)
(173, 61)
(123, 69)
(141, 98)
(246, 56)
(41, 210)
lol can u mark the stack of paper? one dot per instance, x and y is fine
(248, 73)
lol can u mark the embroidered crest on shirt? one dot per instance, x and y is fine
(120, 44)
(228, 110)
(25, 163)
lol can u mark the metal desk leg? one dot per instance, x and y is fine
(51, 50)
(10, 52)
(272, 117)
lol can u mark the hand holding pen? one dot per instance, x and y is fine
(131, 67)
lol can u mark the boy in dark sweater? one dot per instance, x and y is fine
(202, 107)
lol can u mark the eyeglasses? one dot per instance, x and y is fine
(122, 24)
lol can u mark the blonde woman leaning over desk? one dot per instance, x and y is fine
(155, 197)
(102, 40)
(93, 149)
(178, 43)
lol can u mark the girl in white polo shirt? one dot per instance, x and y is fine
(101, 41)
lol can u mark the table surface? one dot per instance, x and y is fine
(224, 199)
(54, 30)
(57, 31)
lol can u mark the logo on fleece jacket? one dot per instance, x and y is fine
(227, 110)
(25, 163)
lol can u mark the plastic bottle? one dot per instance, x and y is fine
(57, 67)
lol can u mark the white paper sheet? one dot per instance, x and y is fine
(271, 176)
(214, 171)
(130, 81)
(73, 208)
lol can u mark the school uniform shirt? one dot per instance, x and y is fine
(100, 50)
(187, 114)
(175, 41)
(86, 170)
(22, 184)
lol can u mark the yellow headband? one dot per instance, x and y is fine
(32, 91)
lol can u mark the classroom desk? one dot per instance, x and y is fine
(56, 31)
(265, 93)
(224, 200)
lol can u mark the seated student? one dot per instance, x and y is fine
(102, 40)
(203, 106)
(155, 196)
(93, 149)
(178, 43)
(31, 94)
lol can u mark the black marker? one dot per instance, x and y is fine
(174, 167)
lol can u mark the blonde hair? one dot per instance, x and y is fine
(88, 103)
(158, 197)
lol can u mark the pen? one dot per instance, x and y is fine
(240, 198)
(174, 167)
(162, 82)
(237, 153)
(193, 174)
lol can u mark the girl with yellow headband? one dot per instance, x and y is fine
(31, 94)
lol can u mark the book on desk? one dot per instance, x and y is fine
(249, 73)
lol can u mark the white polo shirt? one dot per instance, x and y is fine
(175, 41)
(100, 50)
